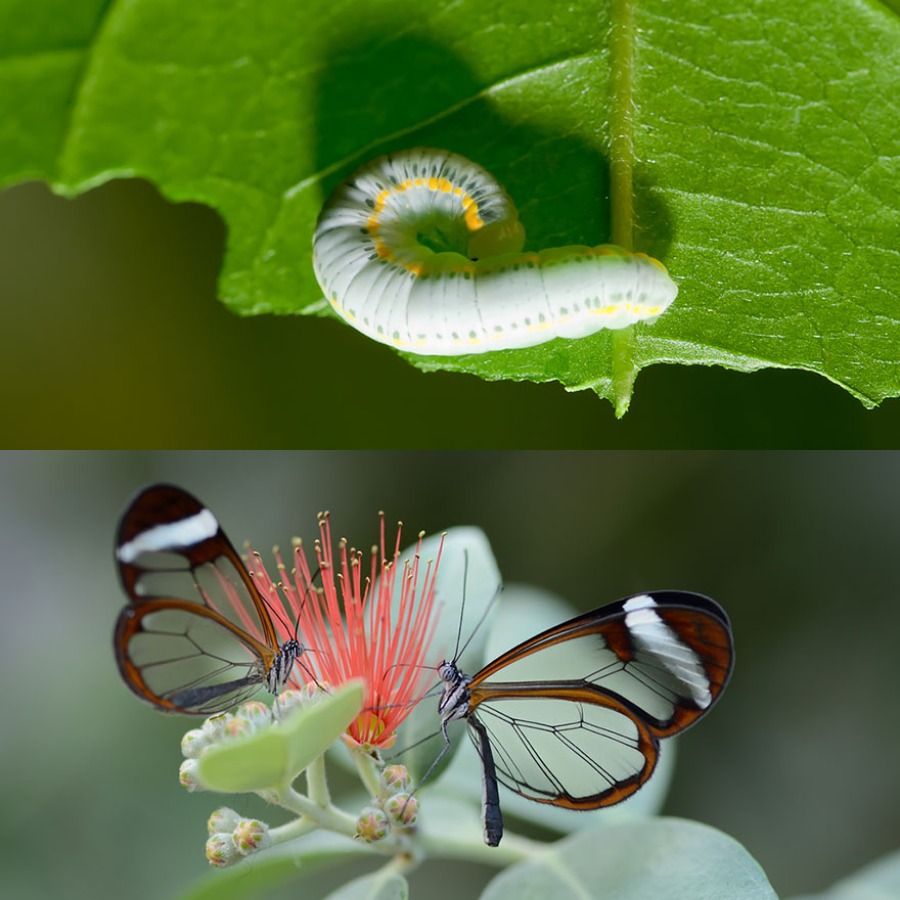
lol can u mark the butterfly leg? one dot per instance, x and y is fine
(490, 795)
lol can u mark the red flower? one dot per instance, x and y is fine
(353, 626)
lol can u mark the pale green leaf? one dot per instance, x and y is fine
(671, 858)
(879, 880)
(275, 755)
(259, 875)
(377, 886)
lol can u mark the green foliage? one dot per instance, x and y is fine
(275, 756)
(761, 136)
(879, 880)
(669, 858)
(378, 886)
(279, 866)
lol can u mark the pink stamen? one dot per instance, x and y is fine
(348, 625)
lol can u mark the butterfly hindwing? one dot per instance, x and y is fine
(566, 751)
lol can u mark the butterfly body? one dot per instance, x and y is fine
(454, 702)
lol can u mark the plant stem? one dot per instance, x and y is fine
(621, 135)
(512, 849)
(621, 179)
(368, 772)
(329, 817)
(317, 783)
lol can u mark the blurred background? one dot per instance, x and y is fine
(798, 761)
(122, 281)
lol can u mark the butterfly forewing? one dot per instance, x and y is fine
(197, 637)
(666, 657)
(170, 545)
(574, 713)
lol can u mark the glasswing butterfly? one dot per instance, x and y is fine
(573, 716)
(197, 636)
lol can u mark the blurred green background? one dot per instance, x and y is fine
(112, 336)
(798, 762)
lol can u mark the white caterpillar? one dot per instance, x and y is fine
(374, 259)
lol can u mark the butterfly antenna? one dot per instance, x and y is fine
(484, 615)
(462, 608)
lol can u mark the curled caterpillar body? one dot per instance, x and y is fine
(375, 259)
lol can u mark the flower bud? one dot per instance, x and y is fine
(258, 714)
(214, 727)
(290, 699)
(238, 726)
(222, 820)
(188, 776)
(251, 835)
(372, 825)
(401, 809)
(395, 778)
(221, 851)
(194, 743)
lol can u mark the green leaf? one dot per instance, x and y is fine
(671, 858)
(276, 755)
(879, 880)
(295, 862)
(751, 146)
(377, 886)
(258, 875)
(266, 872)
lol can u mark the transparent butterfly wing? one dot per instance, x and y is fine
(574, 714)
(579, 755)
(170, 545)
(196, 636)
(184, 660)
